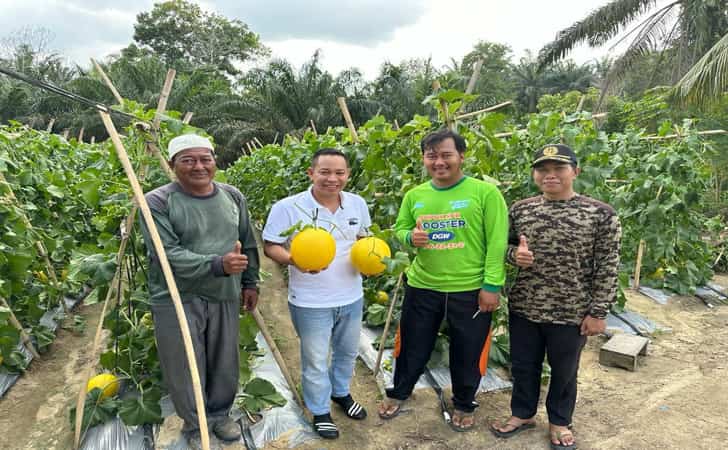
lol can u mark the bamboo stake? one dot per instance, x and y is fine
(347, 118)
(168, 275)
(277, 355)
(93, 139)
(161, 107)
(49, 128)
(65, 133)
(188, 116)
(162, 104)
(313, 127)
(488, 109)
(125, 230)
(673, 136)
(260, 144)
(581, 102)
(42, 251)
(443, 104)
(386, 326)
(250, 148)
(638, 265)
(474, 76)
(80, 135)
(107, 80)
(25, 339)
(396, 125)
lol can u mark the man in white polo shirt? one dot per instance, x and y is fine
(326, 306)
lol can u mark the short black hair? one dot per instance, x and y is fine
(438, 136)
(328, 151)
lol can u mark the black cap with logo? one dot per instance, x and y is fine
(555, 152)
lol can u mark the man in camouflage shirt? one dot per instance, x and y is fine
(566, 246)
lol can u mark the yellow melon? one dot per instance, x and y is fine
(107, 382)
(382, 297)
(313, 249)
(367, 254)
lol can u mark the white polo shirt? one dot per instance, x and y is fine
(341, 283)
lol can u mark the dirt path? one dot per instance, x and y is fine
(670, 402)
(34, 412)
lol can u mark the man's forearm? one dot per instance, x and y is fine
(277, 253)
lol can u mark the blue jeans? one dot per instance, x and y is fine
(321, 329)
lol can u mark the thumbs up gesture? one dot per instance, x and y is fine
(234, 261)
(524, 257)
(419, 235)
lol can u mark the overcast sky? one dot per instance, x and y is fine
(350, 33)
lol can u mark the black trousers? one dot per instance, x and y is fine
(422, 314)
(562, 344)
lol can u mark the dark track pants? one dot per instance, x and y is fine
(562, 344)
(422, 314)
(214, 329)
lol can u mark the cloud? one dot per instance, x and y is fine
(362, 22)
(75, 25)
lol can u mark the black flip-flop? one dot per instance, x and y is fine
(561, 446)
(393, 414)
(460, 428)
(508, 434)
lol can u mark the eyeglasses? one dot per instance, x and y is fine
(191, 162)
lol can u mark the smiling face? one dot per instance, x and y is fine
(195, 169)
(328, 175)
(555, 179)
(444, 163)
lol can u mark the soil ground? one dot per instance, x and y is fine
(34, 412)
(676, 399)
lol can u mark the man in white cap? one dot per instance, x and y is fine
(208, 237)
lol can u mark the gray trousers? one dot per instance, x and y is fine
(214, 331)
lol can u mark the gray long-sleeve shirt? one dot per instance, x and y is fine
(576, 259)
(196, 232)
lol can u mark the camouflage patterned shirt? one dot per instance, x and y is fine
(575, 244)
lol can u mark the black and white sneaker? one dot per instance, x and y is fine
(325, 426)
(351, 407)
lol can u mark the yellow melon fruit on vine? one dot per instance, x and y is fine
(367, 254)
(313, 249)
(382, 297)
(107, 382)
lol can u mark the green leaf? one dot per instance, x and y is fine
(248, 331)
(54, 190)
(90, 191)
(142, 409)
(95, 411)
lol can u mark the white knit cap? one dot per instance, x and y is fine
(186, 142)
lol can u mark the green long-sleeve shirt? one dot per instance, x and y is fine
(467, 225)
(196, 232)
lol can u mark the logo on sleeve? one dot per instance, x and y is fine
(418, 205)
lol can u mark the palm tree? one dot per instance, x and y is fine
(682, 30)
(707, 80)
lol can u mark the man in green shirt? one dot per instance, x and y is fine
(459, 226)
(208, 238)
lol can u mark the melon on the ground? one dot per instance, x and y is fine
(108, 383)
